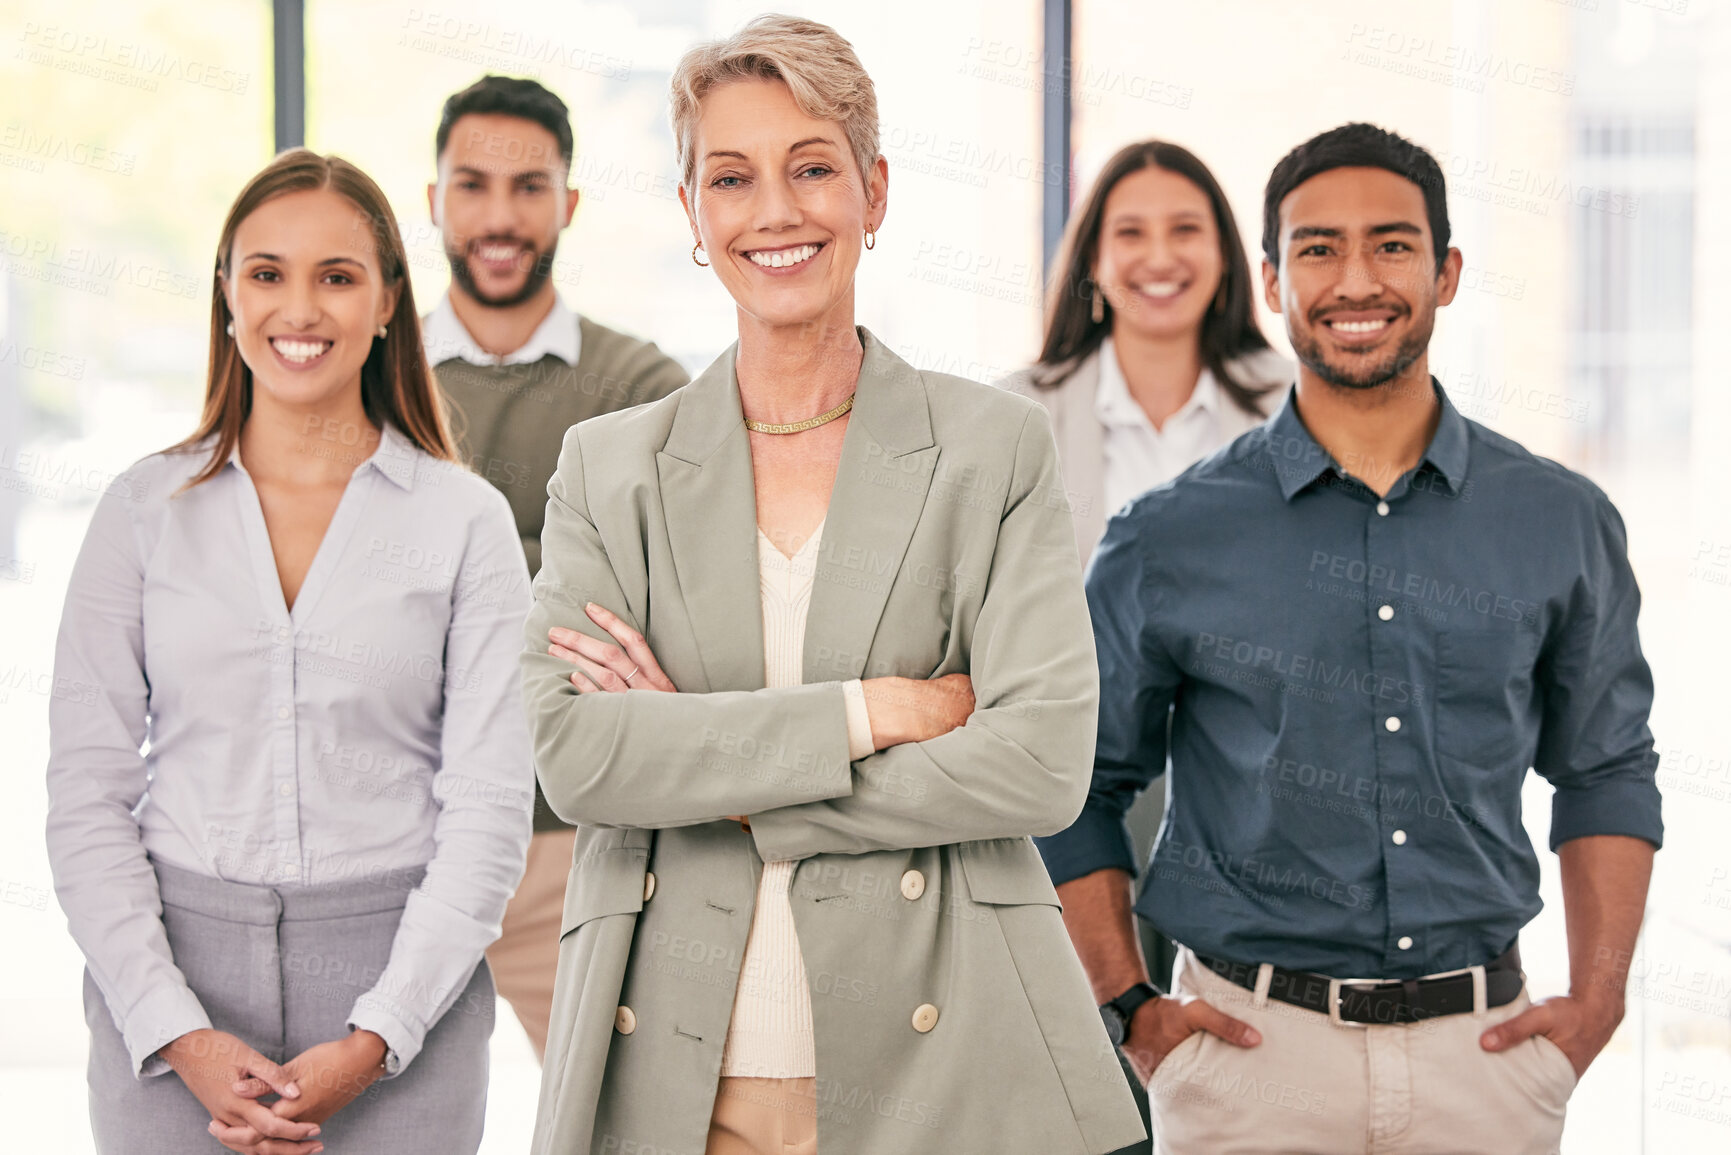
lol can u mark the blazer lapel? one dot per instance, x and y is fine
(708, 500)
(887, 461)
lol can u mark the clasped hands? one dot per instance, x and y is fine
(232, 1079)
(900, 709)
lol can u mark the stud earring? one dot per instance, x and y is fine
(694, 251)
(231, 328)
(381, 331)
(1099, 309)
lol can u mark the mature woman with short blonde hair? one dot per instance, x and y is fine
(809, 664)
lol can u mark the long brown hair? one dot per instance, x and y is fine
(1229, 327)
(396, 383)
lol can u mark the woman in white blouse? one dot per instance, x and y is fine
(1152, 358)
(292, 795)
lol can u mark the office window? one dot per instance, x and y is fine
(1632, 295)
(954, 281)
(125, 132)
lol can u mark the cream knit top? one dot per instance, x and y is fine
(770, 1034)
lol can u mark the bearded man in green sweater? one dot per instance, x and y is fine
(520, 368)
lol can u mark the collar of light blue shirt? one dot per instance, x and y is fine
(395, 456)
(1298, 460)
(446, 338)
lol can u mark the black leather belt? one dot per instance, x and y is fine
(1372, 1002)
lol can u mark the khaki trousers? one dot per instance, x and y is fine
(764, 1117)
(525, 959)
(1316, 1088)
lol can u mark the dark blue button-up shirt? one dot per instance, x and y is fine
(1352, 689)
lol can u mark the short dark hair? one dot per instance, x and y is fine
(1357, 146)
(508, 96)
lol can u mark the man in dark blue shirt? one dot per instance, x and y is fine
(1353, 631)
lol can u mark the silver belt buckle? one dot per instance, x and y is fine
(1334, 986)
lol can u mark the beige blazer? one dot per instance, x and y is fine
(950, 1013)
(1082, 439)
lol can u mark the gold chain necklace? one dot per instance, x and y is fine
(801, 426)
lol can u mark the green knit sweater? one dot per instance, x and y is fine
(510, 421)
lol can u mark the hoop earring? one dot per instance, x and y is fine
(871, 239)
(1099, 310)
(231, 328)
(694, 260)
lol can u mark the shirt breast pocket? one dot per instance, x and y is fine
(1484, 694)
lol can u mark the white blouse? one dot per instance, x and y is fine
(770, 1034)
(374, 729)
(1139, 456)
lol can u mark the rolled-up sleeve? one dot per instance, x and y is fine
(1138, 681)
(1594, 743)
(484, 788)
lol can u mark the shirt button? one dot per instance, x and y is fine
(648, 886)
(285, 790)
(1385, 613)
(913, 885)
(1399, 837)
(1382, 509)
(282, 633)
(283, 711)
(625, 1020)
(291, 869)
(1391, 724)
(925, 1017)
(1405, 942)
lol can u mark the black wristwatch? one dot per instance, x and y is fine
(1116, 1014)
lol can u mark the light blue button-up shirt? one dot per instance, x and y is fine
(375, 729)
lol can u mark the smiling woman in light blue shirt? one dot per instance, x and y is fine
(292, 793)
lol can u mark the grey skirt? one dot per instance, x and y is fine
(281, 969)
